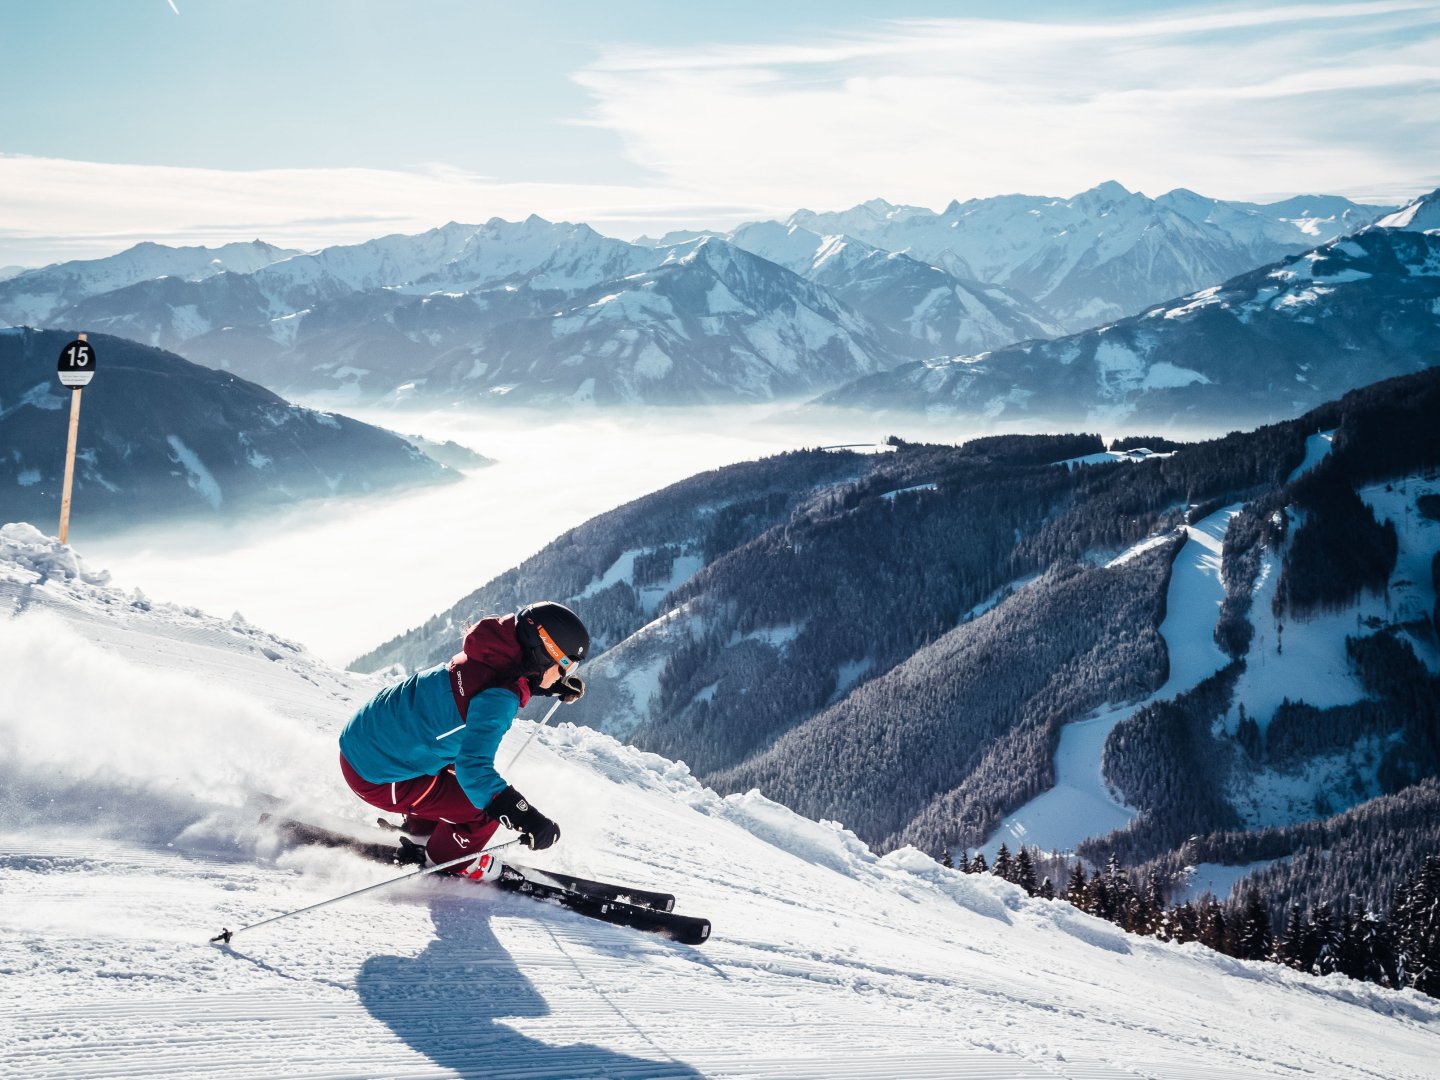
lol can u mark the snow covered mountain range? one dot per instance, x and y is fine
(528, 311)
(1183, 604)
(161, 437)
(38, 297)
(1105, 253)
(1264, 345)
(127, 840)
(539, 312)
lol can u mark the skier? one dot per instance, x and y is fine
(425, 747)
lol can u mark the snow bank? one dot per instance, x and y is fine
(28, 549)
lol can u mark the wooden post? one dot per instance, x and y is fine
(70, 461)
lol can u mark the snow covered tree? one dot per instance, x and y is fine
(1253, 938)
(1119, 893)
(1367, 949)
(1325, 941)
(1416, 919)
(1292, 948)
(1099, 901)
(1186, 923)
(1004, 864)
(1075, 887)
(1212, 925)
(1025, 871)
(1149, 909)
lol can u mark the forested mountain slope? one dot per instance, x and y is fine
(897, 641)
(162, 437)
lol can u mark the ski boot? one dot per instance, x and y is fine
(485, 868)
(409, 853)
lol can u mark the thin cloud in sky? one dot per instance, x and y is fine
(1241, 102)
(1235, 103)
(81, 209)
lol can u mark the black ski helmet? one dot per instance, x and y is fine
(550, 633)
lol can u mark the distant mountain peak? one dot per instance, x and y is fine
(1109, 188)
(1422, 215)
(1271, 341)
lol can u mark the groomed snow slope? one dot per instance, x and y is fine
(1082, 804)
(825, 961)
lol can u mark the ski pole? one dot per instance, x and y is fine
(225, 935)
(528, 741)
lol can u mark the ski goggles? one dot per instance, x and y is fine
(568, 664)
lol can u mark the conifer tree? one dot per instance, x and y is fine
(1150, 911)
(1187, 923)
(1025, 871)
(1367, 950)
(1254, 940)
(978, 865)
(1004, 864)
(1212, 925)
(1120, 896)
(1075, 887)
(1247, 734)
(945, 859)
(1416, 919)
(1046, 891)
(1292, 947)
(1325, 941)
(1099, 900)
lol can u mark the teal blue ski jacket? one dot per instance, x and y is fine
(450, 714)
(413, 729)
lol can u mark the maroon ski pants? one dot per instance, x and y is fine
(461, 827)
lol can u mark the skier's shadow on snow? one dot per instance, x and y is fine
(447, 1002)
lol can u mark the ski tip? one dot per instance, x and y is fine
(696, 933)
(223, 936)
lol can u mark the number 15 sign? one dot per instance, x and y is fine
(77, 364)
(77, 368)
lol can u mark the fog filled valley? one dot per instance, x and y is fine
(369, 568)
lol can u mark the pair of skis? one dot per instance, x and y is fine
(619, 905)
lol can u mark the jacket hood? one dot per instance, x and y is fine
(489, 656)
(492, 642)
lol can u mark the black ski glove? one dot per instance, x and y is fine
(537, 831)
(569, 689)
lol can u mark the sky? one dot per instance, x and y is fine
(333, 121)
